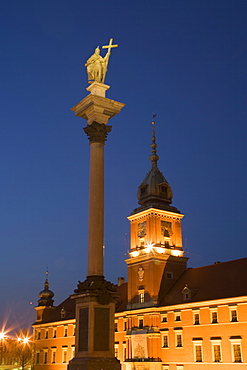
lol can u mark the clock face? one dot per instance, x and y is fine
(140, 273)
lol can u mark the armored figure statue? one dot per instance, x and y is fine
(97, 65)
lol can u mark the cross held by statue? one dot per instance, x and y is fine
(110, 46)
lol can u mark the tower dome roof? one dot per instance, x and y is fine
(155, 190)
(46, 295)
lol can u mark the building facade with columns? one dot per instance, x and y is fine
(167, 316)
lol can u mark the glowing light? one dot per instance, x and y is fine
(134, 254)
(25, 340)
(2, 336)
(159, 250)
(175, 253)
(148, 248)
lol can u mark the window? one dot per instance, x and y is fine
(196, 319)
(116, 326)
(198, 353)
(65, 331)
(53, 356)
(234, 315)
(37, 357)
(55, 333)
(125, 325)
(46, 334)
(165, 341)
(164, 318)
(142, 228)
(38, 335)
(116, 350)
(179, 342)
(216, 348)
(73, 351)
(178, 316)
(73, 329)
(141, 324)
(169, 275)
(63, 313)
(64, 356)
(124, 352)
(236, 348)
(45, 357)
(165, 367)
(214, 317)
(197, 342)
(141, 296)
(217, 353)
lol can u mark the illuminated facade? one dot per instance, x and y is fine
(167, 316)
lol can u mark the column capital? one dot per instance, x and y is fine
(97, 132)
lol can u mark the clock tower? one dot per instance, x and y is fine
(156, 252)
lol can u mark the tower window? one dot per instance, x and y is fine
(142, 229)
(169, 275)
(166, 229)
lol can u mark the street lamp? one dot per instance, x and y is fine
(2, 336)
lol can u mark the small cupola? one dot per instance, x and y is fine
(46, 295)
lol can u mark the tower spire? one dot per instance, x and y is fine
(154, 191)
(154, 157)
(46, 284)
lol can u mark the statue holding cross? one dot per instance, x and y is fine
(97, 65)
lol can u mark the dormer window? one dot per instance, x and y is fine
(163, 189)
(186, 293)
(63, 313)
(143, 190)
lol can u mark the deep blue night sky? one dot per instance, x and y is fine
(185, 61)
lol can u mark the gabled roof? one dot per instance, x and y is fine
(217, 281)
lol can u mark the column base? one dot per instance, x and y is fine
(94, 363)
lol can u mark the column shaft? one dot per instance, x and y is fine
(96, 210)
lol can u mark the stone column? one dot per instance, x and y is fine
(95, 297)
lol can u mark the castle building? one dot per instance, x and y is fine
(168, 316)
